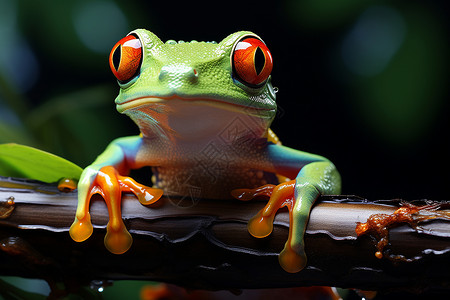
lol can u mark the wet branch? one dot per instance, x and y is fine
(206, 245)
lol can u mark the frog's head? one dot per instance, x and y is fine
(157, 78)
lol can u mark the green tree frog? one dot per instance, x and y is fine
(204, 111)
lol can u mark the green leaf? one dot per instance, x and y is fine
(12, 291)
(27, 162)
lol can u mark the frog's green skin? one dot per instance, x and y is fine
(203, 130)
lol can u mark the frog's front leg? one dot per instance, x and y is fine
(103, 177)
(317, 176)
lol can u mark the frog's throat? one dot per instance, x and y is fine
(265, 113)
(195, 120)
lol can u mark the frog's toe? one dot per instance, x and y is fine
(117, 239)
(260, 226)
(67, 185)
(82, 229)
(291, 260)
(146, 195)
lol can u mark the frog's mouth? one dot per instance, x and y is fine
(137, 103)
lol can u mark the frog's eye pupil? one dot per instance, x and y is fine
(252, 62)
(260, 60)
(116, 58)
(126, 58)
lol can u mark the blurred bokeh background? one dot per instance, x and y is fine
(364, 83)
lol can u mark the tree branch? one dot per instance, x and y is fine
(206, 244)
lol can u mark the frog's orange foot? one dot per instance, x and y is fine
(110, 185)
(292, 258)
(67, 185)
(261, 225)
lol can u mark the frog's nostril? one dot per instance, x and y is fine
(163, 74)
(194, 75)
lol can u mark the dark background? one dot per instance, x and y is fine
(364, 83)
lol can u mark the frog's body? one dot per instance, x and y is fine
(204, 111)
(214, 153)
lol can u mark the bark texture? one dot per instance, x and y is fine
(205, 244)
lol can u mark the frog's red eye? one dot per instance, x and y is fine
(252, 61)
(125, 58)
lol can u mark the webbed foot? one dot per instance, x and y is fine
(109, 184)
(299, 200)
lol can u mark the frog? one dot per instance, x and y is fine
(204, 111)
